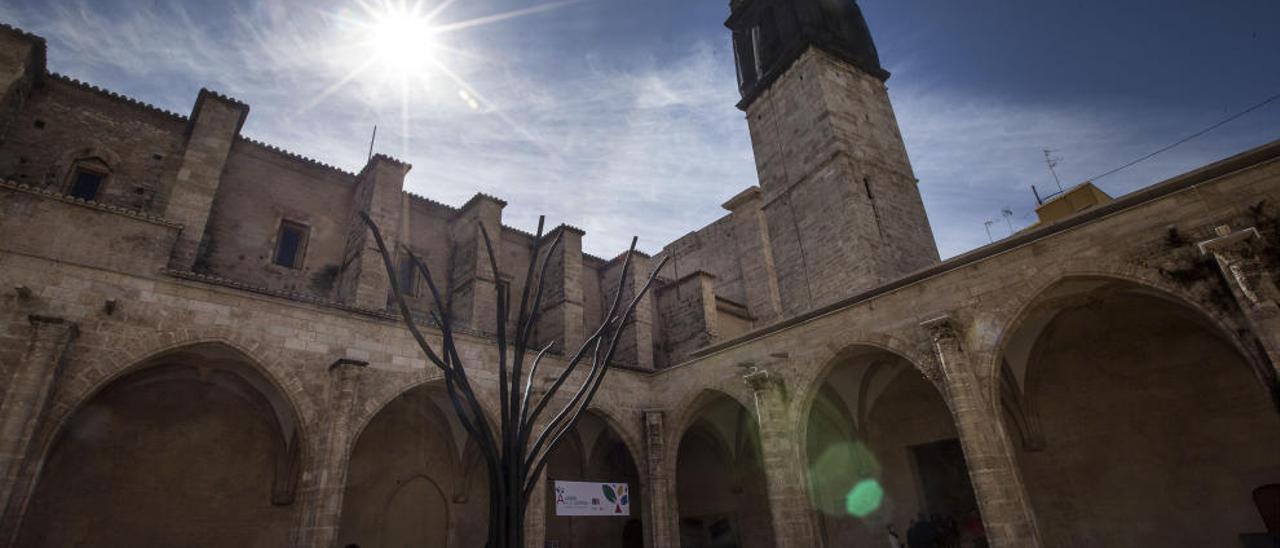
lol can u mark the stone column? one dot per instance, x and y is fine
(379, 191)
(215, 123)
(1238, 255)
(635, 344)
(22, 63)
(562, 301)
(690, 320)
(988, 450)
(793, 523)
(471, 276)
(26, 398)
(755, 255)
(658, 491)
(326, 480)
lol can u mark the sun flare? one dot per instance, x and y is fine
(397, 53)
(402, 42)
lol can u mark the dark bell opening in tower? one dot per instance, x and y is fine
(769, 35)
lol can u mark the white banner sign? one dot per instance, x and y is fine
(582, 498)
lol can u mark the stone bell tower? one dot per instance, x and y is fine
(840, 199)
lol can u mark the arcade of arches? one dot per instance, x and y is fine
(1133, 419)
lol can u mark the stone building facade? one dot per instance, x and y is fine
(196, 346)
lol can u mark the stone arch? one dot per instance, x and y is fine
(203, 360)
(600, 449)
(392, 441)
(84, 378)
(90, 149)
(630, 439)
(1027, 298)
(810, 385)
(729, 492)
(687, 410)
(848, 448)
(1119, 360)
(371, 404)
(86, 153)
(119, 356)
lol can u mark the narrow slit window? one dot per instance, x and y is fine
(291, 242)
(86, 181)
(408, 276)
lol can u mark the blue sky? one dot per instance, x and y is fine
(618, 116)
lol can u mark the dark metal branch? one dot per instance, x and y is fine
(528, 383)
(514, 464)
(577, 356)
(444, 320)
(600, 368)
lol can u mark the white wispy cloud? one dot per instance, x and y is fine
(648, 147)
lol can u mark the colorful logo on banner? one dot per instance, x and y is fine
(580, 498)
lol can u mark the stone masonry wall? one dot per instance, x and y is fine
(261, 188)
(839, 196)
(64, 121)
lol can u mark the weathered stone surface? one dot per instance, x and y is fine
(807, 275)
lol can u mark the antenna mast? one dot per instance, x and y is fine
(1052, 163)
(371, 140)
(988, 224)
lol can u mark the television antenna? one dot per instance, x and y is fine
(988, 224)
(1052, 162)
(1007, 213)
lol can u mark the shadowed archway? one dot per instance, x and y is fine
(195, 447)
(413, 479)
(720, 483)
(1138, 421)
(595, 453)
(882, 450)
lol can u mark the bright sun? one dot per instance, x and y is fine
(403, 42)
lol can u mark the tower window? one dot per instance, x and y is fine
(408, 276)
(744, 50)
(291, 243)
(87, 178)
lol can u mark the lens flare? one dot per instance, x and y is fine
(864, 499)
(839, 469)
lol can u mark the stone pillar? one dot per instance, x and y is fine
(379, 191)
(562, 301)
(793, 522)
(22, 62)
(635, 345)
(325, 482)
(26, 398)
(471, 276)
(535, 515)
(689, 317)
(659, 492)
(988, 450)
(755, 255)
(1239, 256)
(215, 123)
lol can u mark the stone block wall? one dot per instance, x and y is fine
(261, 188)
(63, 120)
(57, 227)
(686, 309)
(839, 196)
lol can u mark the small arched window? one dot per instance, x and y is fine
(87, 177)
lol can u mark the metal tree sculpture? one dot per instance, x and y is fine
(514, 456)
